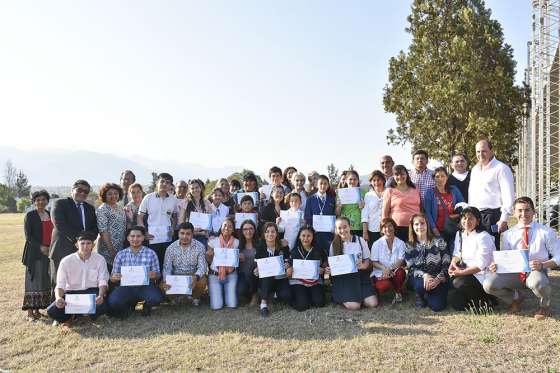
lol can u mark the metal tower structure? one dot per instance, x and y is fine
(539, 162)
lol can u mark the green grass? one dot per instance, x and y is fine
(328, 339)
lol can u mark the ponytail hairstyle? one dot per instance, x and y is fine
(337, 243)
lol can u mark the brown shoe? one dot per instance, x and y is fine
(542, 313)
(515, 306)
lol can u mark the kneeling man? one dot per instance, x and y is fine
(541, 243)
(82, 272)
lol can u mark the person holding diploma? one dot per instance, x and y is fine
(111, 222)
(352, 211)
(247, 282)
(271, 246)
(471, 257)
(247, 206)
(276, 179)
(38, 227)
(222, 280)
(219, 211)
(371, 213)
(250, 185)
(352, 289)
(401, 201)
(123, 299)
(195, 202)
(161, 209)
(427, 260)
(387, 258)
(186, 257)
(271, 212)
(307, 293)
(83, 272)
(289, 229)
(541, 243)
(321, 203)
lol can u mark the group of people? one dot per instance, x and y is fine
(428, 230)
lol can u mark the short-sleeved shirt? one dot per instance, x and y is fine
(371, 213)
(182, 260)
(356, 246)
(144, 257)
(215, 242)
(77, 274)
(402, 204)
(380, 253)
(112, 221)
(476, 251)
(159, 210)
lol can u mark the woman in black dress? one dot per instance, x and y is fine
(38, 230)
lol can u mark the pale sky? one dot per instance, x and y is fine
(218, 83)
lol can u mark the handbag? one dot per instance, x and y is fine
(450, 226)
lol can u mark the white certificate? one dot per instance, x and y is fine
(240, 217)
(348, 196)
(79, 304)
(253, 195)
(342, 264)
(306, 269)
(161, 233)
(266, 189)
(291, 219)
(511, 261)
(324, 223)
(225, 257)
(134, 275)
(179, 284)
(271, 266)
(201, 220)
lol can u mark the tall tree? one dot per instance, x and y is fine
(10, 175)
(332, 174)
(455, 84)
(153, 184)
(22, 187)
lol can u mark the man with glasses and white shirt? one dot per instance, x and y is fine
(71, 216)
(161, 208)
(542, 244)
(491, 190)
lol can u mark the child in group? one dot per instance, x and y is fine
(307, 293)
(219, 212)
(292, 227)
(321, 203)
(352, 289)
(246, 206)
(352, 211)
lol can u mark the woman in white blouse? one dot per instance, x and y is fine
(471, 257)
(371, 213)
(387, 256)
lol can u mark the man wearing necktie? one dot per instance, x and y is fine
(71, 216)
(541, 244)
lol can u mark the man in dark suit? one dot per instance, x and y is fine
(70, 217)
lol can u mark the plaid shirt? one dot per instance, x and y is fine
(423, 180)
(145, 257)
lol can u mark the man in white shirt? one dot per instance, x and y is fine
(541, 243)
(83, 272)
(491, 190)
(161, 208)
(461, 176)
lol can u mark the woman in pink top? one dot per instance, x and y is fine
(401, 200)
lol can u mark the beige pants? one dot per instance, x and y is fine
(503, 285)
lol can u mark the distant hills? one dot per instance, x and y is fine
(61, 168)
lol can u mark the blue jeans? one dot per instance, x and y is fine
(220, 289)
(123, 298)
(58, 314)
(436, 298)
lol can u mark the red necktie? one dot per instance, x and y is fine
(525, 246)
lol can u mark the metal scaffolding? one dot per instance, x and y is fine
(539, 164)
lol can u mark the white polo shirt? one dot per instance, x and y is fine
(476, 251)
(159, 210)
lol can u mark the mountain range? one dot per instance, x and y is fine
(60, 167)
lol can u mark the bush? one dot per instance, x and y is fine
(23, 204)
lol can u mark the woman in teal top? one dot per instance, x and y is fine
(353, 212)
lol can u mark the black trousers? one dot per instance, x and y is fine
(489, 218)
(59, 315)
(270, 285)
(468, 293)
(246, 285)
(304, 297)
(160, 249)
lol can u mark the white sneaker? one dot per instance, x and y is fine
(196, 302)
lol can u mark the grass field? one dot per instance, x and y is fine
(181, 338)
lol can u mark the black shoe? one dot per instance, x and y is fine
(146, 310)
(419, 301)
(264, 312)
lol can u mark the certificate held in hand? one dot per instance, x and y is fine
(224, 257)
(511, 261)
(240, 217)
(342, 264)
(324, 223)
(201, 220)
(179, 284)
(348, 196)
(271, 266)
(306, 269)
(253, 195)
(161, 233)
(79, 304)
(134, 276)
